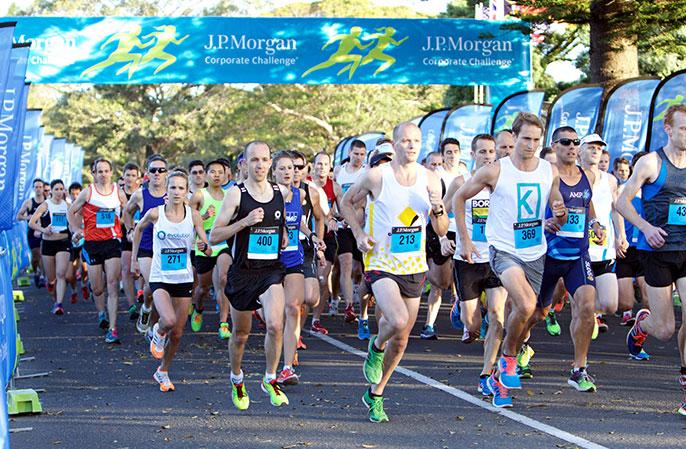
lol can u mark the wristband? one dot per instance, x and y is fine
(438, 214)
(592, 222)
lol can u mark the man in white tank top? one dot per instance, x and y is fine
(515, 235)
(402, 196)
(604, 253)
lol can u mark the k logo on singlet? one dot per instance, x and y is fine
(528, 201)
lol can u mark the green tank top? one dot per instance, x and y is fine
(207, 202)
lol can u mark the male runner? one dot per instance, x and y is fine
(196, 171)
(131, 183)
(253, 214)
(34, 237)
(515, 234)
(661, 175)
(98, 207)
(403, 194)
(504, 143)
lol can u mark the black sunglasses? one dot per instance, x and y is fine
(201, 172)
(567, 142)
(160, 170)
(299, 167)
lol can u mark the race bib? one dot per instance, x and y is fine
(59, 221)
(406, 239)
(137, 217)
(104, 218)
(593, 240)
(263, 243)
(479, 216)
(345, 187)
(576, 221)
(527, 234)
(293, 239)
(174, 259)
(677, 212)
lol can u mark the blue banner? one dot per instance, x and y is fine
(578, 107)
(28, 158)
(464, 123)
(625, 122)
(432, 129)
(57, 154)
(10, 126)
(43, 169)
(507, 110)
(671, 91)
(66, 167)
(76, 166)
(211, 50)
(8, 342)
(6, 32)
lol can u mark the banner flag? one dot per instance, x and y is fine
(432, 129)
(43, 169)
(465, 122)
(28, 158)
(11, 116)
(671, 91)
(6, 32)
(57, 154)
(66, 167)
(578, 107)
(507, 110)
(267, 50)
(8, 341)
(625, 120)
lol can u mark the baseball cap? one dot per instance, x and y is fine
(377, 158)
(593, 138)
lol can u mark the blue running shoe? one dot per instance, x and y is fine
(363, 330)
(483, 387)
(112, 337)
(635, 339)
(103, 322)
(501, 396)
(507, 367)
(428, 333)
(484, 327)
(641, 356)
(455, 315)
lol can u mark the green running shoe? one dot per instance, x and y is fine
(524, 372)
(551, 325)
(525, 355)
(224, 331)
(580, 380)
(196, 320)
(373, 364)
(596, 328)
(239, 396)
(375, 406)
(276, 396)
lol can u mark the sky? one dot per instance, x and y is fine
(561, 71)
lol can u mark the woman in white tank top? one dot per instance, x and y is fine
(171, 275)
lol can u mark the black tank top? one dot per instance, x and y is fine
(258, 247)
(309, 218)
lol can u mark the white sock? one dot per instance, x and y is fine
(285, 367)
(269, 376)
(237, 379)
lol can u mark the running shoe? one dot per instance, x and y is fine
(350, 316)
(363, 332)
(333, 307)
(501, 395)
(524, 372)
(140, 296)
(158, 343)
(525, 355)
(373, 364)
(224, 331)
(551, 325)
(682, 381)
(273, 390)
(196, 320)
(301, 344)
(483, 387)
(602, 324)
(148, 335)
(468, 337)
(43, 282)
(103, 322)
(142, 324)
(162, 378)
(317, 328)
(635, 338)
(596, 328)
(51, 287)
(57, 309)
(375, 406)
(112, 337)
(581, 380)
(682, 409)
(455, 315)
(287, 376)
(484, 327)
(428, 333)
(74, 298)
(507, 367)
(627, 319)
(258, 318)
(85, 293)
(239, 396)
(133, 312)
(641, 356)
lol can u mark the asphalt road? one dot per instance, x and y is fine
(104, 397)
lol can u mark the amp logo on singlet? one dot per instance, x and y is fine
(528, 201)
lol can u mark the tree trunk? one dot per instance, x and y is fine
(613, 54)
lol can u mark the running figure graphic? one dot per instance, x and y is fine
(342, 55)
(668, 102)
(128, 40)
(382, 43)
(165, 35)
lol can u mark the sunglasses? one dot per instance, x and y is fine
(201, 172)
(299, 167)
(567, 142)
(157, 170)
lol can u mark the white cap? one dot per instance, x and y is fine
(385, 147)
(593, 138)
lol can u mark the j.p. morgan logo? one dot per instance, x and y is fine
(234, 43)
(462, 51)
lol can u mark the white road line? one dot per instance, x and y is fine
(460, 394)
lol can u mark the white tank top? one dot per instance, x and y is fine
(346, 179)
(172, 244)
(58, 215)
(447, 179)
(475, 215)
(602, 203)
(396, 221)
(517, 210)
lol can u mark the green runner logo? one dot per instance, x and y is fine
(128, 40)
(667, 102)
(352, 61)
